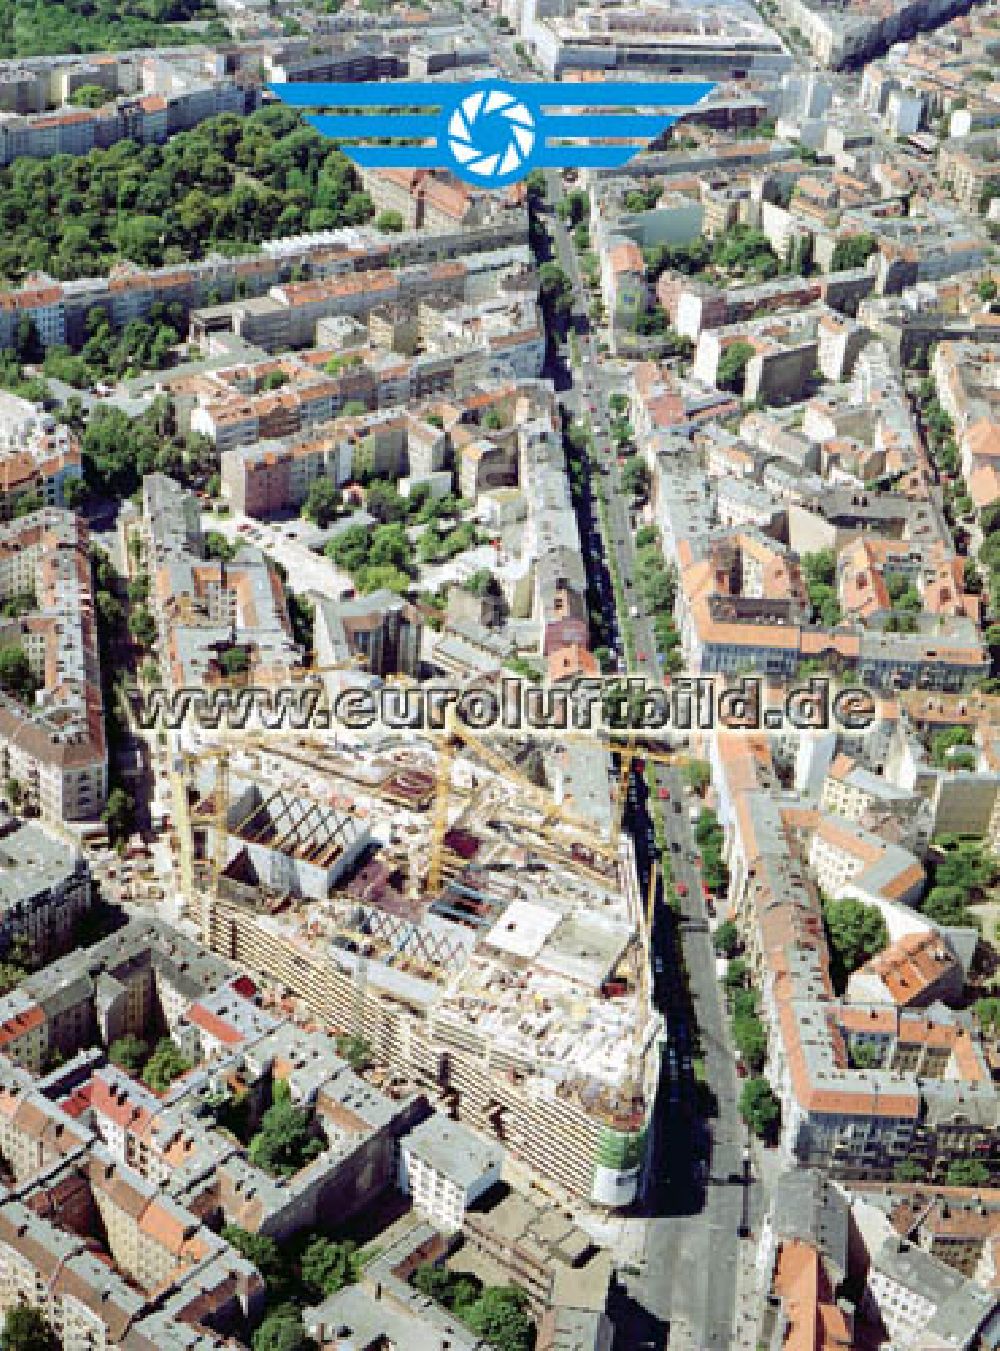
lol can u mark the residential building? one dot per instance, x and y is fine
(445, 1167)
(44, 889)
(380, 632)
(54, 746)
(918, 1299)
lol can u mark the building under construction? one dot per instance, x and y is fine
(514, 992)
(288, 843)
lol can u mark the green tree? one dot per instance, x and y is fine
(736, 978)
(855, 933)
(944, 742)
(744, 251)
(433, 1281)
(25, 1328)
(286, 1141)
(16, 676)
(635, 476)
(389, 547)
(750, 1039)
(327, 1266)
(89, 96)
(853, 251)
(482, 583)
(726, 939)
(129, 1053)
(356, 1051)
(820, 567)
(142, 627)
(226, 184)
(217, 546)
(28, 503)
(11, 975)
(282, 1330)
(119, 815)
(235, 661)
(947, 905)
(555, 290)
(138, 589)
(908, 1170)
(389, 222)
(385, 502)
(166, 1064)
(865, 1055)
(259, 1249)
(760, 1109)
(322, 502)
(731, 372)
(500, 1316)
(987, 1011)
(697, 775)
(967, 1173)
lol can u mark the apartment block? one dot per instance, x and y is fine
(445, 1167)
(147, 120)
(54, 748)
(923, 1089)
(107, 1183)
(59, 309)
(379, 632)
(38, 457)
(44, 888)
(205, 606)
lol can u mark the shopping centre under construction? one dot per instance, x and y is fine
(474, 917)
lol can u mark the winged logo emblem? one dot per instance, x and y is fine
(492, 133)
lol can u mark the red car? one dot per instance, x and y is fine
(665, 794)
(681, 889)
(642, 656)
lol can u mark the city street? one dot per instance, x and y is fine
(694, 1199)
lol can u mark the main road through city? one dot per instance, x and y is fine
(694, 1195)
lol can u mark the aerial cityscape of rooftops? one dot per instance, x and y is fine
(673, 1022)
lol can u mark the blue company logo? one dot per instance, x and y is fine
(494, 132)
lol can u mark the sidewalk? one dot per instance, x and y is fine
(748, 1297)
(626, 1238)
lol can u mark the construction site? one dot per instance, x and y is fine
(471, 914)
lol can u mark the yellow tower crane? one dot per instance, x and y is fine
(539, 798)
(215, 822)
(439, 820)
